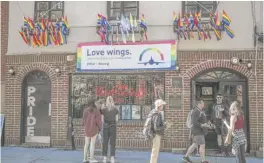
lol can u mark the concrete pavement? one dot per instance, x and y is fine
(52, 155)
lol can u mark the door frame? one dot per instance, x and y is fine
(242, 80)
(24, 106)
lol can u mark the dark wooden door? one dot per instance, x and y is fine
(207, 92)
(37, 108)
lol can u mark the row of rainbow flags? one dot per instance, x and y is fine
(184, 27)
(44, 32)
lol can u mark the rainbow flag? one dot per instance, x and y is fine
(225, 18)
(43, 24)
(229, 31)
(174, 18)
(65, 21)
(53, 37)
(26, 22)
(186, 20)
(31, 24)
(22, 34)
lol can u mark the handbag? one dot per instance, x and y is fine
(99, 136)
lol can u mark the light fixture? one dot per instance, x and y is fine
(234, 60)
(57, 70)
(177, 68)
(249, 65)
(11, 71)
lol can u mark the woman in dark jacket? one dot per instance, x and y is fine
(109, 111)
(92, 123)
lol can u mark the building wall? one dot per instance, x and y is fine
(4, 41)
(82, 19)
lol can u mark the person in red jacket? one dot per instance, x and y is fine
(92, 122)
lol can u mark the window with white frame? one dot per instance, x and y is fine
(117, 8)
(195, 6)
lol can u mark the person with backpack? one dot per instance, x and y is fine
(154, 129)
(199, 127)
(92, 123)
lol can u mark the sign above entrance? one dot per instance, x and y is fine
(158, 55)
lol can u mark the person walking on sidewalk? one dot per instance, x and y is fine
(199, 130)
(158, 128)
(92, 123)
(236, 129)
(109, 112)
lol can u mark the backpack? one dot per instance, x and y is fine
(148, 129)
(189, 119)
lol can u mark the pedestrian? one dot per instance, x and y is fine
(92, 123)
(158, 128)
(199, 130)
(220, 112)
(236, 129)
(109, 112)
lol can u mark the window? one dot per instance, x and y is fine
(49, 9)
(134, 95)
(195, 6)
(117, 8)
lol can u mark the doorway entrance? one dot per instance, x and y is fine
(36, 108)
(230, 84)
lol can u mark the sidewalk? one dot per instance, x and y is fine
(52, 155)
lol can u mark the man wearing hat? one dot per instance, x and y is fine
(158, 128)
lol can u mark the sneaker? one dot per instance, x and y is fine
(186, 159)
(105, 159)
(112, 159)
(93, 161)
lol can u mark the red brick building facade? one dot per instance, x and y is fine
(191, 64)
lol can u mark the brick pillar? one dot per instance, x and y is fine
(4, 43)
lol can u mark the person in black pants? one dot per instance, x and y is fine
(109, 111)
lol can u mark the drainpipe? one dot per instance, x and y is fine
(256, 80)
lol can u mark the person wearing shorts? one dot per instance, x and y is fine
(199, 130)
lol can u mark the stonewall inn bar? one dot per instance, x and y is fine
(136, 52)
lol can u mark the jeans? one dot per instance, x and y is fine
(89, 141)
(109, 133)
(241, 154)
(155, 149)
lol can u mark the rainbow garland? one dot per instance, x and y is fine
(43, 32)
(184, 27)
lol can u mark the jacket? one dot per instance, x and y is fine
(157, 122)
(92, 122)
(198, 117)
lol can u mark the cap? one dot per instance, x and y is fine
(159, 103)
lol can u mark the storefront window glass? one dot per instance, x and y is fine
(134, 95)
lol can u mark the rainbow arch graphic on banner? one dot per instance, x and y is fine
(151, 49)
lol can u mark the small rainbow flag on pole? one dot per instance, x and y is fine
(226, 22)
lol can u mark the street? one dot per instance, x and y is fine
(52, 155)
